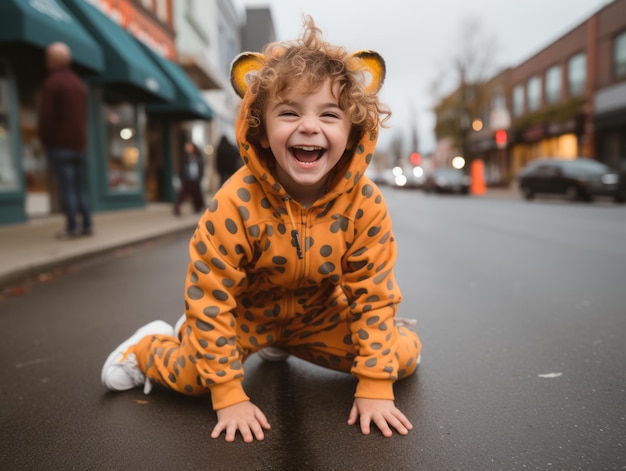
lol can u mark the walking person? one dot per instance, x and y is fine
(190, 172)
(62, 130)
(228, 159)
(295, 254)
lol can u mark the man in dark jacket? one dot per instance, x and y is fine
(62, 131)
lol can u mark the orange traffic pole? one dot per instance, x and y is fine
(478, 186)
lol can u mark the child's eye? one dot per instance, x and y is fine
(287, 113)
(331, 115)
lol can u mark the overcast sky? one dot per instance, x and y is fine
(418, 38)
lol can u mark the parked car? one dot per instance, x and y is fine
(447, 180)
(408, 177)
(577, 179)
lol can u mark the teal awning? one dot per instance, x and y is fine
(127, 66)
(40, 23)
(188, 102)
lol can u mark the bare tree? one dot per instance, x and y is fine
(460, 98)
(396, 149)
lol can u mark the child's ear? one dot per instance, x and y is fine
(374, 65)
(243, 64)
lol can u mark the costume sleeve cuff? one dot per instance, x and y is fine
(227, 394)
(374, 389)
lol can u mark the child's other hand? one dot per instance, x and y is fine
(382, 412)
(245, 417)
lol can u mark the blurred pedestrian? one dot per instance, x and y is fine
(295, 254)
(62, 130)
(228, 159)
(190, 173)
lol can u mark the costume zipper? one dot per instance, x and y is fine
(295, 235)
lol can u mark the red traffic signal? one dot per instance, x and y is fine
(501, 138)
(415, 158)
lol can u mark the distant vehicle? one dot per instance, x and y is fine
(408, 177)
(447, 180)
(382, 177)
(577, 179)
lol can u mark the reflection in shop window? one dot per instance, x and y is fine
(553, 84)
(518, 100)
(619, 55)
(8, 174)
(576, 74)
(533, 93)
(124, 156)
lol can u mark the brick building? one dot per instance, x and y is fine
(567, 100)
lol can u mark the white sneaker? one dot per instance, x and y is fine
(404, 322)
(120, 373)
(273, 354)
(179, 324)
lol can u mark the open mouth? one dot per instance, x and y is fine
(307, 155)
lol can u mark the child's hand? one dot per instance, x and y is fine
(382, 412)
(245, 417)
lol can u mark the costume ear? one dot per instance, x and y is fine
(374, 64)
(243, 64)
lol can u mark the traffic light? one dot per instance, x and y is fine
(415, 158)
(501, 138)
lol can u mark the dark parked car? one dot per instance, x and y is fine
(447, 180)
(575, 179)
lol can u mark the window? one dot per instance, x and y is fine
(518, 100)
(498, 102)
(553, 84)
(534, 93)
(161, 11)
(577, 74)
(124, 162)
(546, 170)
(619, 56)
(8, 170)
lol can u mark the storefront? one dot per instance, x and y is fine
(166, 123)
(26, 29)
(134, 93)
(610, 126)
(130, 81)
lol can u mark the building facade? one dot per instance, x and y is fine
(148, 84)
(208, 39)
(609, 103)
(567, 100)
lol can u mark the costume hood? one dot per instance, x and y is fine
(261, 162)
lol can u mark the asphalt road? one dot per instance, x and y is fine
(521, 307)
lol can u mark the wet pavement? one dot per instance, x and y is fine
(520, 307)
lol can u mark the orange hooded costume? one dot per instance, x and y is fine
(317, 281)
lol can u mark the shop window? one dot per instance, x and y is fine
(534, 93)
(577, 74)
(124, 155)
(518, 100)
(553, 84)
(9, 180)
(162, 11)
(619, 56)
(568, 146)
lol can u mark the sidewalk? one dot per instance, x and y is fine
(30, 248)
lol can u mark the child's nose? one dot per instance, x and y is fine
(309, 124)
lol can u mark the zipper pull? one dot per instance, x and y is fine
(296, 238)
(294, 233)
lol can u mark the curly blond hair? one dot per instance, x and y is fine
(305, 64)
